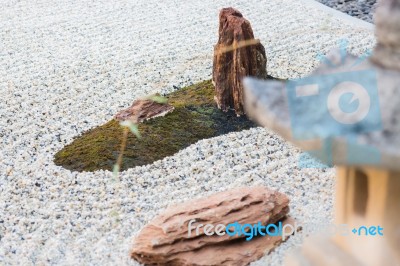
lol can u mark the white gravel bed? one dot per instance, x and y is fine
(68, 66)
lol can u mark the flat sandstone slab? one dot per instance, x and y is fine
(166, 239)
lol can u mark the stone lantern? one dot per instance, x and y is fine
(362, 141)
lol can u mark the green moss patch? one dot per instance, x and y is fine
(195, 117)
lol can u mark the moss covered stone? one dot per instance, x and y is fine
(195, 117)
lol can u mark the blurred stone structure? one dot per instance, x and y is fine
(368, 191)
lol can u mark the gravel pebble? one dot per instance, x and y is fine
(69, 66)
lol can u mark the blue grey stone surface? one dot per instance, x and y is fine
(362, 9)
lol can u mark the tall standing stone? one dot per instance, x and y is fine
(236, 55)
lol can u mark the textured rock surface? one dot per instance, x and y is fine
(387, 52)
(142, 110)
(166, 240)
(232, 61)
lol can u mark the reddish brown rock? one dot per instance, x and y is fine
(142, 110)
(236, 55)
(166, 239)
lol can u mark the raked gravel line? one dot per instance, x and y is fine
(67, 66)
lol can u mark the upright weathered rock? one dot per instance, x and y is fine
(166, 239)
(236, 55)
(387, 19)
